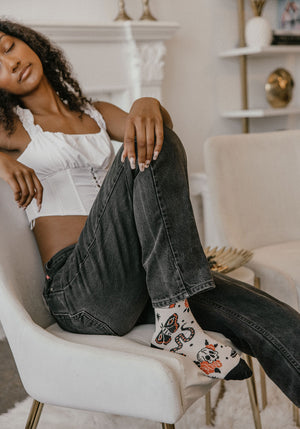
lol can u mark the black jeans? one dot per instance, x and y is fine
(140, 249)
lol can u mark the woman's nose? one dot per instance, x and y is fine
(13, 63)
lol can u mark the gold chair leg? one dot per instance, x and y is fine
(254, 406)
(252, 379)
(167, 426)
(34, 415)
(296, 417)
(263, 386)
(208, 419)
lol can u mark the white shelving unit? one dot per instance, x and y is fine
(260, 113)
(243, 53)
(262, 52)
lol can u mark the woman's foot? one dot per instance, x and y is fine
(178, 332)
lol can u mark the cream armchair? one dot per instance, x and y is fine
(254, 188)
(120, 375)
(253, 182)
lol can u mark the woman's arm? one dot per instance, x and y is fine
(144, 122)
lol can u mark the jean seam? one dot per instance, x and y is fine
(160, 205)
(268, 336)
(82, 262)
(182, 295)
(89, 316)
(157, 192)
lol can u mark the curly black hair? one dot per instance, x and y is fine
(56, 69)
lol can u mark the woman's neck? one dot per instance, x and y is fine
(43, 100)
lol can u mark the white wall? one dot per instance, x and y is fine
(198, 85)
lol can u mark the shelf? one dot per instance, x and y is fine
(260, 113)
(268, 50)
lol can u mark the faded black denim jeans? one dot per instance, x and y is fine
(140, 249)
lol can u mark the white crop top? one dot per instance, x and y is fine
(71, 167)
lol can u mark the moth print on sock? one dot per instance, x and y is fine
(182, 338)
(167, 329)
(208, 359)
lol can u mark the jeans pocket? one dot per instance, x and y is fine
(82, 323)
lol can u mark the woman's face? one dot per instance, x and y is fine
(20, 68)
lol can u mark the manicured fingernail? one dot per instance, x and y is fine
(142, 167)
(132, 163)
(122, 157)
(155, 155)
(39, 207)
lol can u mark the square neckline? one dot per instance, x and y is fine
(86, 112)
(31, 128)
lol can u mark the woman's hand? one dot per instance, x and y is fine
(145, 123)
(22, 180)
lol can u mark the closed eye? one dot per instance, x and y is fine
(10, 48)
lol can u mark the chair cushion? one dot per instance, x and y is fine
(243, 274)
(192, 383)
(279, 270)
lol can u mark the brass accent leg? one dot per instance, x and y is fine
(34, 415)
(263, 386)
(208, 419)
(254, 406)
(243, 63)
(167, 426)
(252, 379)
(296, 417)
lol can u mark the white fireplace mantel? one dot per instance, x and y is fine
(117, 62)
(113, 32)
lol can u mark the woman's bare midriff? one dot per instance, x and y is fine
(53, 233)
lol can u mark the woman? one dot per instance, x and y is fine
(118, 237)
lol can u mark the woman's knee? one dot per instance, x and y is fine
(172, 144)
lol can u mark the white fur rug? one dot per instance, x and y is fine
(232, 412)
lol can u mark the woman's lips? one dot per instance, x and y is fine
(25, 73)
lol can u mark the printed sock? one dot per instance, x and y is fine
(178, 331)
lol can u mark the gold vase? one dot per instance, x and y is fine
(122, 15)
(147, 15)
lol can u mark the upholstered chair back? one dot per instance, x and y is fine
(254, 182)
(21, 272)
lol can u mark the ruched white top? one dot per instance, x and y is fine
(71, 167)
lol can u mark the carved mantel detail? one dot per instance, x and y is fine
(119, 61)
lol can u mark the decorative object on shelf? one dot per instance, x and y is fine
(147, 15)
(279, 88)
(288, 13)
(258, 32)
(288, 23)
(122, 15)
(225, 260)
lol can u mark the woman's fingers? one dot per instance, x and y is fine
(129, 138)
(141, 143)
(26, 186)
(39, 191)
(22, 180)
(30, 187)
(23, 186)
(150, 139)
(148, 133)
(159, 138)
